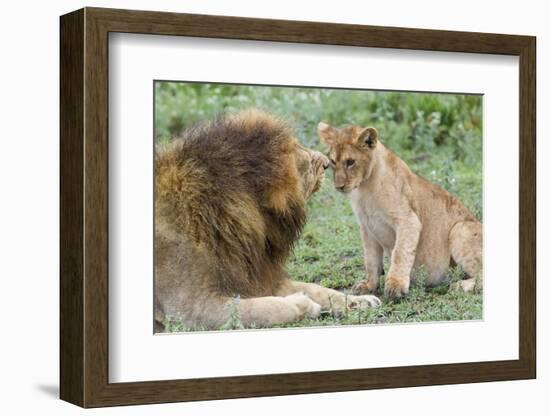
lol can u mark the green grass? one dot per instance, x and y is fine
(438, 135)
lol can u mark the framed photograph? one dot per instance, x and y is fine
(254, 207)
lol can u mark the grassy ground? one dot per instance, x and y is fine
(438, 135)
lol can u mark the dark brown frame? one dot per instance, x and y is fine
(84, 208)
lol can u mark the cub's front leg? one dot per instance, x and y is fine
(373, 257)
(407, 234)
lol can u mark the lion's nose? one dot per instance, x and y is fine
(324, 160)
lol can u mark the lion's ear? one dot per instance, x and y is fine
(368, 137)
(326, 133)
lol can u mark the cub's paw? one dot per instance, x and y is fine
(396, 287)
(364, 287)
(363, 302)
(306, 307)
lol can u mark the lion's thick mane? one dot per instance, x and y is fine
(231, 186)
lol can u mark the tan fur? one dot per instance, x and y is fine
(229, 204)
(401, 214)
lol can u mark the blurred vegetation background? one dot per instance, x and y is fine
(438, 135)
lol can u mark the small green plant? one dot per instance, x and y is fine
(174, 324)
(234, 320)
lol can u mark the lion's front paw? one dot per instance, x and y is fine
(306, 307)
(468, 285)
(364, 287)
(396, 287)
(363, 302)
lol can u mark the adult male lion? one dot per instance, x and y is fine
(229, 204)
(401, 213)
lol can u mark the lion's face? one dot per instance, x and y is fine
(311, 168)
(351, 154)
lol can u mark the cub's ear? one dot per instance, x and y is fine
(326, 133)
(368, 137)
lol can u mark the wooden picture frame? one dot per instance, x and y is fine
(84, 207)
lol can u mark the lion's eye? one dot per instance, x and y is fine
(332, 162)
(350, 162)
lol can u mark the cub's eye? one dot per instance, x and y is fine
(332, 162)
(350, 162)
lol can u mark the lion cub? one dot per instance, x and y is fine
(401, 213)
